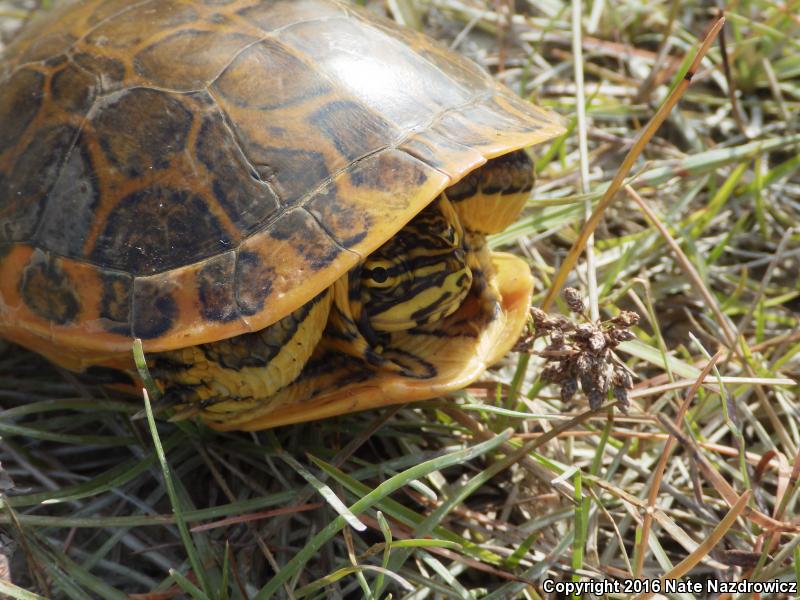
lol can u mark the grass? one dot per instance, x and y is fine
(491, 492)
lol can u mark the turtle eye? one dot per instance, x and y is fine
(378, 275)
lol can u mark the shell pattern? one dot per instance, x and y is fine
(184, 171)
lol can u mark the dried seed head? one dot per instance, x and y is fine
(574, 300)
(556, 350)
(553, 373)
(568, 390)
(597, 341)
(587, 383)
(583, 364)
(626, 318)
(564, 324)
(596, 398)
(621, 395)
(602, 381)
(621, 335)
(622, 378)
(579, 355)
(539, 316)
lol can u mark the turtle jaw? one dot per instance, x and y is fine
(458, 352)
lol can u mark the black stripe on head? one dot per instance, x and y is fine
(418, 275)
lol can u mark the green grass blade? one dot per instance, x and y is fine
(383, 490)
(175, 501)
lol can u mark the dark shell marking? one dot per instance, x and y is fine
(173, 227)
(248, 200)
(23, 196)
(142, 130)
(154, 308)
(317, 252)
(279, 166)
(73, 89)
(217, 296)
(351, 128)
(71, 205)
(48, 291)
(253, 282)
(115, 303)
(19, 104)
(107, 71)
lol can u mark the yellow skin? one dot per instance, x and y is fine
(382, 313)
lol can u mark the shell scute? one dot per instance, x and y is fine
(293, 260)
(70, 207)
(409, 93)
(267, 76)
(277, 144)
(126, 28)
(286, 13)
(352, 129)
(155, 308)
(253, 281)
(115, 301)
(452, 158)
(47, 47)
(19, 105)
(162, 132)
(98, 11)
(159, 228)
(365, 205)
(215, 290)
(72, 89)
(109, 72)
(23, 196)
(47, 289)
(292, 172)
(472, 126)
(454, 66)
(317, 250)
(246, 197)
(206, 53)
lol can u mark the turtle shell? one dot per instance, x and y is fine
(187, 171)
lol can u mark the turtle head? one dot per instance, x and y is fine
(420, 275)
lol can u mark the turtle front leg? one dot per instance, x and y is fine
(245, 371)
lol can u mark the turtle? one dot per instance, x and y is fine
(286, 201)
